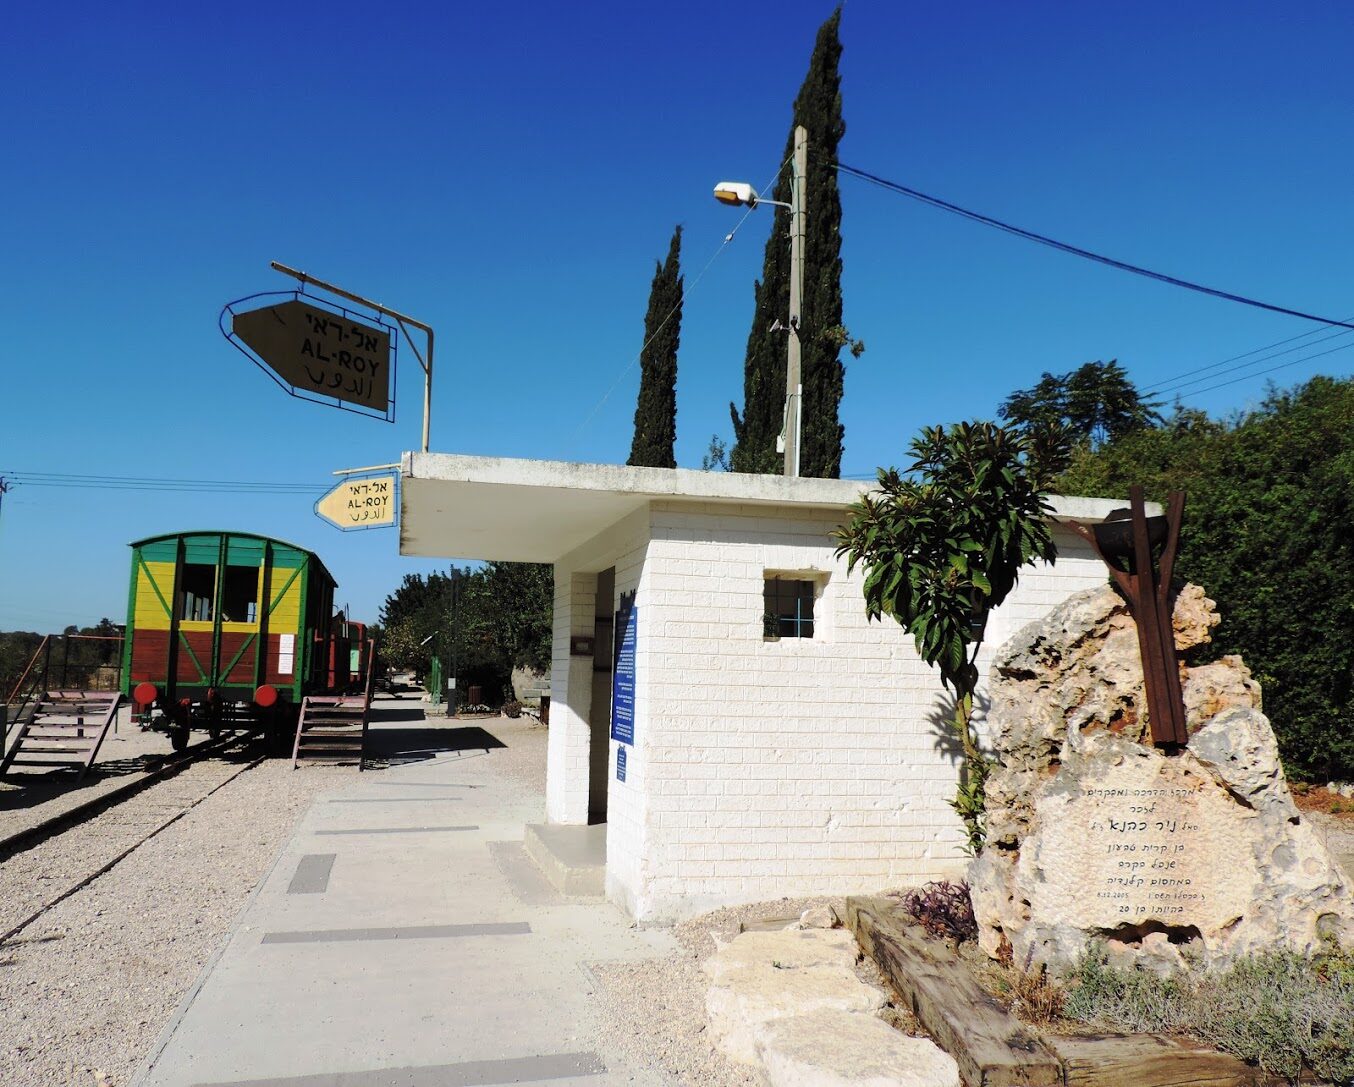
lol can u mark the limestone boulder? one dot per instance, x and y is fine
(1096, 835)
(832, 1049)
(1210, 689)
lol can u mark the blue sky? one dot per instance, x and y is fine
(510, 172)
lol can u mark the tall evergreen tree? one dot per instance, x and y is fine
(819, 109)
(656, 408)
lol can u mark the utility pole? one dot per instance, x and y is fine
(794, 388)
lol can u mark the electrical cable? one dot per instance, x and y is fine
(1172, 385)
(1272, 369)
(143, 483)
(1077, 251)
(1247, 354)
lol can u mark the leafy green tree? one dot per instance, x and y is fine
(1267, 535)
(818, 108)
(1087, 407)
(487, 621)
(414, 616)
(656, 408)
(944, 547)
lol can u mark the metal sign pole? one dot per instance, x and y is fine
(401, 318)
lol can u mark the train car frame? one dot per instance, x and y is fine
(220, 623)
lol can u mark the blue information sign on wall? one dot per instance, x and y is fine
(623, 681)
(620, 763)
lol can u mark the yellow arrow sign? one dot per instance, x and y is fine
(360, 503)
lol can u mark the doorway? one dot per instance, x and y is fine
(599, 718)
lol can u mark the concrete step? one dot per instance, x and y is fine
(572, 858)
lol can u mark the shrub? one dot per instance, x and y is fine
(512, 708)
(1280, 1010)
(1036, 998)
(943, 909)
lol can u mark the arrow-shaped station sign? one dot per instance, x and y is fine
(316, 351)
(360, 503)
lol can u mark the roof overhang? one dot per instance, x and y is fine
(509, 509)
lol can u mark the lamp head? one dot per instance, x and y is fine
(1115, 536)
(735, 193)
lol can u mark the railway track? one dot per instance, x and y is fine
(45, 864)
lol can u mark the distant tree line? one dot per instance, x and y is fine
(74, 660)
(487, 621)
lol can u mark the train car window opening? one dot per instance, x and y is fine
(240, 595)
(199, 590)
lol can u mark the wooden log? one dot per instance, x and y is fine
(1151, 1060)
(991, 1046)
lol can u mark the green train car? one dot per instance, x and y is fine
(220, 623)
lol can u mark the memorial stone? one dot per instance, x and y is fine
(1095, 835)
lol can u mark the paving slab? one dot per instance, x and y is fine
(401, 943)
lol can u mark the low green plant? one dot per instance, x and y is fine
(1280, 1010)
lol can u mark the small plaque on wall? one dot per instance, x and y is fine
(620, 762)
(580, 645)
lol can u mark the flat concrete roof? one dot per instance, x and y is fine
(510, 509)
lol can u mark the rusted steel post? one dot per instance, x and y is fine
(1147, 588)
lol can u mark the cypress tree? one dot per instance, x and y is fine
(819, 109)
(656, 408)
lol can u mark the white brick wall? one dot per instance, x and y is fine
(566, 761)
(795, 766)
(765, 768)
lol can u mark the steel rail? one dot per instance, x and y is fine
(29, 837)
(123, 854)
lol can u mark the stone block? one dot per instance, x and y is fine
(838, 1049)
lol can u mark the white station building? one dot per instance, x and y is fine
(747, 733)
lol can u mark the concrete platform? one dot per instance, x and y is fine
(402, 937)
(572, 858)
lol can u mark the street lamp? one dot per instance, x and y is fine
(739, 193)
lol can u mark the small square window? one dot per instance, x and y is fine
(787, 608)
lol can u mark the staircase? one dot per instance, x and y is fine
(332, 728)
(64, 729)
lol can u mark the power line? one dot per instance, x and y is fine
(87, 481)
(1173, 385)
(1077, 251)
(1272, 369)
(1169, 383)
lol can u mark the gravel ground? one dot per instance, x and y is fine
(36, 876)
(85, 990)
(29, 797)
(524, 758)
